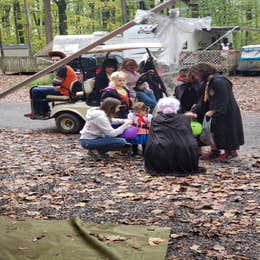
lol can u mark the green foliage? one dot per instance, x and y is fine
(87, 16)
(45, 80)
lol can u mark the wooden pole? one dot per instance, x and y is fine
(81, 51)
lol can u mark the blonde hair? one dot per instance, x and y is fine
(140, 106)
(115, 75)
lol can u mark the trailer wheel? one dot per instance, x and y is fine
(69, 123)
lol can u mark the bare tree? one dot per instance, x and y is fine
(1, 43)
(17, 21)
(29, 26)
(63, 23)
(47, 20)
(124, 12)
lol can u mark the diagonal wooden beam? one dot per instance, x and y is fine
(83, 50)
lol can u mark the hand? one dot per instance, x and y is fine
(191, 114)
(128, 122)
(210, 113)
(150, 90)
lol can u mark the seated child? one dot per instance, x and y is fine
(142, 120)
(171, 148)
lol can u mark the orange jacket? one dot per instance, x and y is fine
(65, 83)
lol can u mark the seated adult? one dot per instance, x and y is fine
(130, 67)
(97, 135)
(102, 80)
(171, 148)
(154, 81)
(117, 89)
(64, 76)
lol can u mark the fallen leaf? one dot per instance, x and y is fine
(154, 241)
(195, 248)
(219, 248)
(80, 204)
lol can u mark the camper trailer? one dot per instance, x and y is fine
(249, 63)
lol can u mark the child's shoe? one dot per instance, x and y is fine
(96, 156)
(226, 156)
(126, 148)
(213, 154)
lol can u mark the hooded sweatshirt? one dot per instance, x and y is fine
(98, 125)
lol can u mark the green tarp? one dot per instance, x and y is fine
(76, 239)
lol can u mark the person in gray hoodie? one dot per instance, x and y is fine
(98, 135)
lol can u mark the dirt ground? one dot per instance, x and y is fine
(47, 175)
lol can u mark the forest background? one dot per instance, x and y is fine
(36, 22)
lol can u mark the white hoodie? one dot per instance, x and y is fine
(98, 125)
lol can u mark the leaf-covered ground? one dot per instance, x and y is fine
(48, 175)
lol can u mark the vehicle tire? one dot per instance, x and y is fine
(69, 123)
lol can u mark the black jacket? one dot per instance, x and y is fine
(226, 123)
(124, 109)
(188, 94)
(101, 82)
(171, 148)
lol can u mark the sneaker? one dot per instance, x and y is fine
(95, 156)
(134, 154)
(28, 115)
(41, 116)
(126, 148)
(37, 116)
(213, 154)
(227, 156)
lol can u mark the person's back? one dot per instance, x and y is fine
(171, 148)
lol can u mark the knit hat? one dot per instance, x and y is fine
(168, 105)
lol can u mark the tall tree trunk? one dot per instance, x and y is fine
(47, 20)
(92, 15)
(1, 44)
(19, 30)
(141, 5)
(63, 25)
(193, 4)
(124, 11)
(29, 26)
(6, 16)
(105, 16)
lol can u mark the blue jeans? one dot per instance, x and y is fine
(38, 97)
(103, 144)
(147, 97)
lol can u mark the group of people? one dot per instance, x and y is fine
(168, 145)
(108, 83)
(120, 101)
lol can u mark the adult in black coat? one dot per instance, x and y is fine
(226, 123)
(102, 80)
(171, 148)
(188, 93)
(153, 80)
